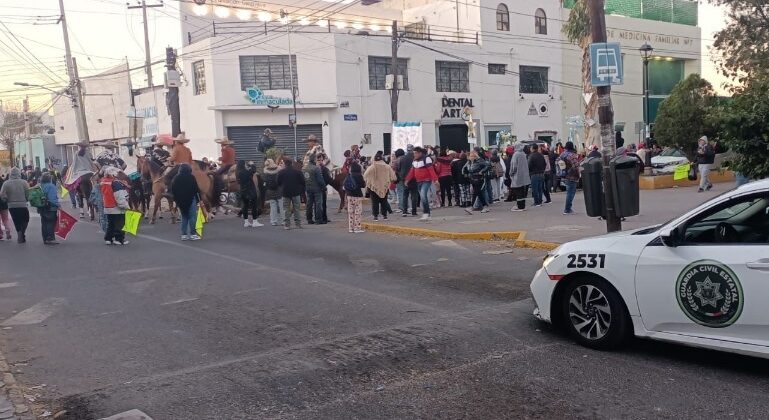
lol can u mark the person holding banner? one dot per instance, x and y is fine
(186, 192)
(115, 199)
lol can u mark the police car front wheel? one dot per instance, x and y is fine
(594, 313)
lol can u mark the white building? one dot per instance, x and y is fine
(498, 57)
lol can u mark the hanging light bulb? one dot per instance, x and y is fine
(221, 12)
(264, 16)
(375, 28)
(340, 25)
(243, 14)
(322, 23)
(304, 21)
(357, 26)
(200, 9)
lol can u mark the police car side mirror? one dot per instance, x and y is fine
(670, 237)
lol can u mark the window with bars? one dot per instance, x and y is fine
(452, 76)
(497, 68)
(503, 18)
(267, 72)
(540, 22)
(199, 77)
(533, 79)
(379, 68)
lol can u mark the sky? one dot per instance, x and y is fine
(103, 34)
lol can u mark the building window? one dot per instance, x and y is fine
(533, 79)
(497, 68)
(540, 22)
(199, 78)
(503, 18)
(379, 68)
(267, 72)
(452, 76)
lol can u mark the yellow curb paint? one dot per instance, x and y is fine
(517, 236)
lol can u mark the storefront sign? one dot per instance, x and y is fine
(649, 37)
(351, 117)
(257, 97)
(453, 107)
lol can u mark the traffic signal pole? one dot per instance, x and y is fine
(605, 118)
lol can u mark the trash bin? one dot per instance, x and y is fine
(592, 186)
(624, 178)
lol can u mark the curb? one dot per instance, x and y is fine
(12, 394)
(518, 236)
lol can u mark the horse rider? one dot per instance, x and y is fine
(313, 149)
(159, 155)
(181, 153)
(82, 164)
(108, 157)
(228, 155)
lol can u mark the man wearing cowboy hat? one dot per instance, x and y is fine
(181, 153)
(108, 157)
(82, 164)
(313, 149)
(228, 155)
(160, 155)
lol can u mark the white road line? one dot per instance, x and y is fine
(144, 270)
(182, 300)
(258, 289)
(7, 285)
(36, 313)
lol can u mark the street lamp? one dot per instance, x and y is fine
(646, 52)
(61, 92)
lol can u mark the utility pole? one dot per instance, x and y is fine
(284, 15)
(394, 70)
(605, 118)
(74, 89)
(147, 58)
(27, 134)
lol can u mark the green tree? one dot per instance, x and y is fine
(742, 47)
(686, 115)
(745, 128)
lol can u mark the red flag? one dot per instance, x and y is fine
(65, 224)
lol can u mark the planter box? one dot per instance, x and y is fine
(666, 181)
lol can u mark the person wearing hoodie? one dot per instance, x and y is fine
(314, 184)
(475, 170)
(353, 186)
(445, 178)
(273, 193)
(248, 194)
(378, 178)
(537, 167)
(5, 220)
(15, 192)
(291, 182)
(519, 178)
(115, 198)
(49, 213)
(185, 190)
(423, 172)
(404, 166)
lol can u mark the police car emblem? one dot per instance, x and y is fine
(710, 294)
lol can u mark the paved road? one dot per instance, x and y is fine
(319, 323)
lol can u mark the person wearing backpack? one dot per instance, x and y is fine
(273, 194)
(353, 186)
(49, 210)
(15, 192)
(568, 164)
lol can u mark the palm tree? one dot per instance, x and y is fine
(577, 30)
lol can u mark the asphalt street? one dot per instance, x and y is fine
(322, 324)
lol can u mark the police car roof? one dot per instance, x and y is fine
(761, 184)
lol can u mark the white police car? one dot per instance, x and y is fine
(701, 279)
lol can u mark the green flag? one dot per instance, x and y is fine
(132, 219)
(201, 220)
(682, 172)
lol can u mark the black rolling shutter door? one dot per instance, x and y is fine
(247, 139)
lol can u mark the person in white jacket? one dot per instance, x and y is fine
(115, 196)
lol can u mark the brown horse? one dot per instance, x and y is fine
(154, 173)
(209, 190)
(231, 185)
(84, 189)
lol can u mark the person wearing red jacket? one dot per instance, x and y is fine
(445, 179)
(423, 172)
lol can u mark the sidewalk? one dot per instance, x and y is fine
(548, 223)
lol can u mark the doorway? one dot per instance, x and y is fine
(453, 137)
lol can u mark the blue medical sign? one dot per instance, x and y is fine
(606, 64)
(351, 117)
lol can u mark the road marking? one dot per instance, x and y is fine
(182, 300)
(36, 313)
(7, 285)
(258, 289)
(139, 286)
(110, 313)
(129, 415)
(144, 270)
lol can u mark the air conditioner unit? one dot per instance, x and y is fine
(389, 82)
(543, 110)
(172, 79)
